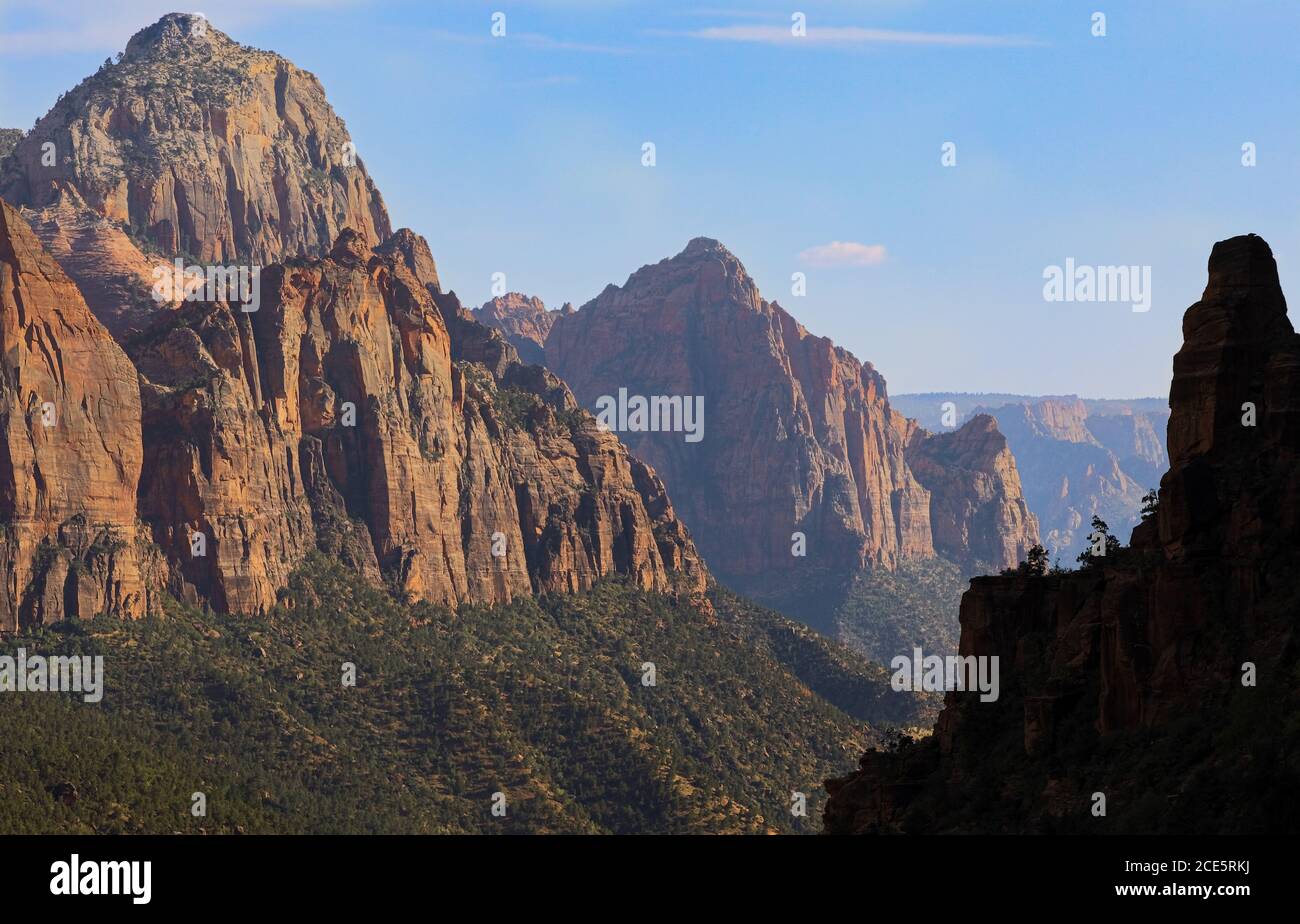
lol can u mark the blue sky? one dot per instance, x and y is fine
(522, 154)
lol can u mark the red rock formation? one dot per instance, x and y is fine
(108, 267)
(70, 450)
(976, 506)
(359, 410)
(1146, 635)
(525, 322)
(335, 414)
(1075, 464)
(798, 434)
(217, 464)
(198, 146)
(1077, 458)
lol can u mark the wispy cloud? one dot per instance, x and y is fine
(848, 36)
(844, 253)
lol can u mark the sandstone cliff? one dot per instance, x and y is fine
(976, 505)
(113, 274)
(1076, 457)
(1161, 675)
(358, 409)
(1076, 464)
(70, 450)
(194, 145)
(798, 436)
(336, 416)
(524, 321)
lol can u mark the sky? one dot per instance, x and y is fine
(820, 154)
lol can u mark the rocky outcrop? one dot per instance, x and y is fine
(353, 407)
(195, 145)
(524, 321)
(335, 416)
(798, 435)
(9, 138)
(1078, 458)
(70, 450)
(116, 277)
(1195, 619)
(1077, 464)
(221, 487)
(978, 515)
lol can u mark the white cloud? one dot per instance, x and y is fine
(850, 35)
(844, 253)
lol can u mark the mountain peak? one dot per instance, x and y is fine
(1244, 262)
(706, 248)
(176, 33)
(705, 245)
(200, 145)
(524, 321)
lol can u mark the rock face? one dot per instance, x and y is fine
(1076, 464)
(1144, 652)
(1077, 457)
(197, 146)
(70, 450)
(977, 512)
(335, 416)
(114, 275)
(357, 409)
(524, 321)
(9, 138)
(798, 435)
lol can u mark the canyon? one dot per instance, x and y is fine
(1077, 457)
(801, 434)
(805, 478)
(1159, 674)
(203, 450)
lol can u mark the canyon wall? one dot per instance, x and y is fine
(1175, 658)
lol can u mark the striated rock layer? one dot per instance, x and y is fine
(70, 450)
(978, 514)
(1077, 457)
(336, 416)
(358, 409)
(798, 434)
(195, 145)
(524, 321)
(109, 268)
(1141, 655)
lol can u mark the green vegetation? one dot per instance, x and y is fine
(9, 138)
(1100, 534)
(516, 407)
(879, 615)
(885, 614)
(1036, 564)
(541, 700)
(1232, 767)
